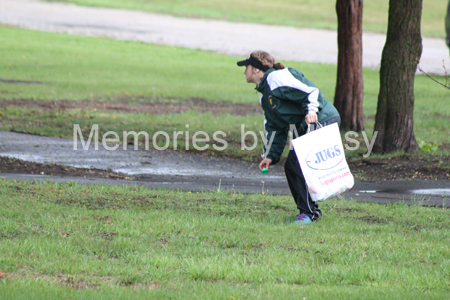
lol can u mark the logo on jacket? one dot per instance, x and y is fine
(324, 156)
(270, 99)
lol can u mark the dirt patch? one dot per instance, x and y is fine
(405, 167)
(18, 166)
(102, 218)
(107, 235)
(92, 282)
(13, 81)
(148, 107)
(371, 220)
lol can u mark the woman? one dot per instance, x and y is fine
(289, 101)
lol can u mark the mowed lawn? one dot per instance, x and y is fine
(70, 241)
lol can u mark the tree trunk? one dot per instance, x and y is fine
(348, 98)
(401, 54)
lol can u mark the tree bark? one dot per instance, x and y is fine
(401, 54)
(348, 98)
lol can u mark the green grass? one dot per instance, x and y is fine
(78, 68)
(132, 242)
(307, 13)
(72, 67)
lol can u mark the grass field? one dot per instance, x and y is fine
(132, 242)
(78, 68)
(306, 13)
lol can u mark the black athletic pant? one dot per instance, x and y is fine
(297, 184)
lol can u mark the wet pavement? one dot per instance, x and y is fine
(239, 39)
(169, 169)
(138, 163)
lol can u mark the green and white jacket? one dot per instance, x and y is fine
(286, 98)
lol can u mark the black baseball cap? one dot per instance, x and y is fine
(253, 62)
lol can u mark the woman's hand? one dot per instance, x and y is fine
(265, 163)
(311, 118)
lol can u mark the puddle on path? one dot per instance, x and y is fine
(443, 192)
(433, 191)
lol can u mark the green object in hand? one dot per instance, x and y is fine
(265, 171)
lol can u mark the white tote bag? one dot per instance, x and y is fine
(322, 160)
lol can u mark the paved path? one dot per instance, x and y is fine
(191, 172)
(240, 39)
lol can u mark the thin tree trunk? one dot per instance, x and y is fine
(401, 54)
(348, 98)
